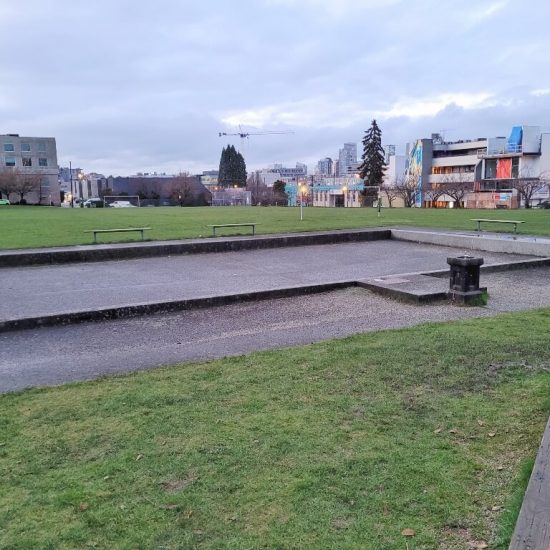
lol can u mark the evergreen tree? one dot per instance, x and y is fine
(232, 170)
(223, 175)
(374, 164)
(241, 175)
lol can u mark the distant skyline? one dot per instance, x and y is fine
(127, 88)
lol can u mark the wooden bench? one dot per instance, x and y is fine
(483, 220)
(214, 226)
(96, 231)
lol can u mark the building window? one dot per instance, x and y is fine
(10, 161)
(42, 162)
(9, 148)
(25, 147)
(41, 147)
(515, 167)
(27, 161)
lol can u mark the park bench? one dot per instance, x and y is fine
(483, 220)
(217, 225)
(96, 231)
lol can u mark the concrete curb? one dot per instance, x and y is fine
(100, 253)
(165, 307)
(528, 246)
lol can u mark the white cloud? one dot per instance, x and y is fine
(430, 106)
(540, 92)
(476, 16)
(324, 112)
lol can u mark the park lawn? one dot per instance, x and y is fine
(29, 227)
(339, 444)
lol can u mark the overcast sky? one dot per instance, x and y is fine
(128, 86)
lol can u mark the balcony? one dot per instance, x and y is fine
(507, 150)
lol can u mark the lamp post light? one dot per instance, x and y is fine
(301, 189)
(80, 191)
(71, 176)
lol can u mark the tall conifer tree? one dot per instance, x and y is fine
(374, 163)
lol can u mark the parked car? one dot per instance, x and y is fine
(543, 204)
(93, 203)
(122, 204)
(4, 202)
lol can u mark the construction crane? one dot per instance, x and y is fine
(245, 135)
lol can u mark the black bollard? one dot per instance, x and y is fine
(464, 281)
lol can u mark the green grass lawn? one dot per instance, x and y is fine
(27, 227)
(340, 444)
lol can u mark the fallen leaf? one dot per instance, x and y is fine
(139, 457)
(453, 431)
(83, 506)
(438, 431)
(491, 434)
(408, 532)
(480, 422)
(106, 478)
(496, 508)
(481, 546)
(187, 514)
(500, 468)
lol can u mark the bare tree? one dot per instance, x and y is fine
(12, 181)
(8, 181)
(406, 188)
(182, 189)
(456, 186)
(527, 185)
(25, 184)
(391, 193)
(257, 187)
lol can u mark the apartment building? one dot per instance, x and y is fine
(524, 155)
(347, 160)
(325, 167)
(35, 161)
(487, 168)
(283, 173)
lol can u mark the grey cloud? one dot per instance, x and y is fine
(127, 87)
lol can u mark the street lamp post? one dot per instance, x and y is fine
(71, 175)
(80, 189)
(301, 189)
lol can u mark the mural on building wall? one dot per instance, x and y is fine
(415, 170)
(504, 169)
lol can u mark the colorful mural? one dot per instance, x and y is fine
(415, 170)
